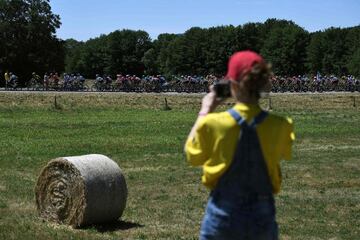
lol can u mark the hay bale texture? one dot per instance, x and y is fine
(81, 190)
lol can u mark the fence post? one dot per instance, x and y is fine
(56, 105)
(166, 107)
(269, 104)
(354, 102)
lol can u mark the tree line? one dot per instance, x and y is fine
(28, 43)
(200, 51)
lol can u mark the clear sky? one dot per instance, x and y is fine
(84, 19)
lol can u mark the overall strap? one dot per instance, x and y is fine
(259, 118)
(248, 174)
(240, 121)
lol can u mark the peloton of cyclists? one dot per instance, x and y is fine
(187, 83)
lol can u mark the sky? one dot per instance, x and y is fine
(85, 19)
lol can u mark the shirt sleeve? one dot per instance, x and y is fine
(197, 148)
(289, 137)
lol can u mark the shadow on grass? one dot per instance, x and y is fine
(115, 226)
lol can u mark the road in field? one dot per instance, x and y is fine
(25, 91)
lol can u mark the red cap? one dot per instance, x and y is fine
(241, 63)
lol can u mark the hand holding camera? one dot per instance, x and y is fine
(218, 93)
(222, 89)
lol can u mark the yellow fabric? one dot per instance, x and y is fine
(7, 76)
(216, 136)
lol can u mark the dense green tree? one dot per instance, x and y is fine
(194, 50)
(334, 60)
(219, 46)
(126, 49)
(331, 50)
(94, 57)
(163, 51)
(197, 51)
(354, 63)
(285, 47)
(176, 62)
(28, 42)
(248, 37)
(118, 52)
(315, 52)
(353, 50)
(150, 62)
(73, 60)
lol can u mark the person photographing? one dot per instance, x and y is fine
(240, 151)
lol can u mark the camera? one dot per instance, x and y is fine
(222, 89)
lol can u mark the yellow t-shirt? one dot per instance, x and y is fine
(214, 144)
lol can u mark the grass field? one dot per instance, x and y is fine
(320, 198)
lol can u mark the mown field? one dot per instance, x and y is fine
(321, 185)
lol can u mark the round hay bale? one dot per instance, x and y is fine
(81, 190)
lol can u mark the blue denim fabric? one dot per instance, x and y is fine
(251, 219)
(242, 205)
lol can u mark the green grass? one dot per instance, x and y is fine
(320, 198)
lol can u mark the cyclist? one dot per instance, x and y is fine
(36, 77)
(46, 80)
(99, 79)
(80, 78)
(108, 79)
(13, 80)
(66, 80)
(56, 79)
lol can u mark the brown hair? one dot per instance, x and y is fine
(257, 79)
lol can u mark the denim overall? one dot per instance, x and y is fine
(242, 204)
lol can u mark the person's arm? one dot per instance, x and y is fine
(198, 144)
(208, 105)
